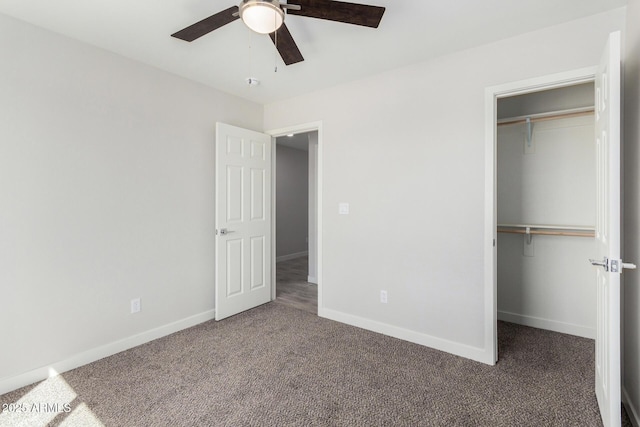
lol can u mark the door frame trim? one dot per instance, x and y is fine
(492, 94)
(274, 133)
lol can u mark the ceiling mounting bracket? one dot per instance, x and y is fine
(252, 81)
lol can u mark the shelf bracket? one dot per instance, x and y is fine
(528, 250)
(529, 132)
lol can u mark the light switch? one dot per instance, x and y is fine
(343, 208)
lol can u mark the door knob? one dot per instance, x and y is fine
(224, 231)
(604, 263)
(613, 265)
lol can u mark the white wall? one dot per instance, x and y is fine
(292, 205)
(631, 287)
(551, 285)
(406, 149)
(106, 194)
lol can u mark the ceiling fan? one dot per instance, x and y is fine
(267, 17)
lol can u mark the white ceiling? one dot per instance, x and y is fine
(410, 31)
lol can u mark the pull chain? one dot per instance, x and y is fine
(250, 53)
(275, 55)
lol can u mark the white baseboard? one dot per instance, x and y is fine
(12, 383)
(312, 279)
(458, 349)
(550, 325)
(632, 410)
(291, 256)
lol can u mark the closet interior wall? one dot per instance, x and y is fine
(546, 176)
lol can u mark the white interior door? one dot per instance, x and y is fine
(608, 262)
(243, 220)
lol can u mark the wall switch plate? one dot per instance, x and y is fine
(343, 208)
(135, 305)
(383, 297)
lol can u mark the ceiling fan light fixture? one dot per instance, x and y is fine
(262, 16)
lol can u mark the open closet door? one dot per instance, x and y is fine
(243, 220)
(608, 262)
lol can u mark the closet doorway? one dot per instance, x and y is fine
(296, 220)
(607, 265)
(546, 209)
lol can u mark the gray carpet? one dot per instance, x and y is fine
(277, 366)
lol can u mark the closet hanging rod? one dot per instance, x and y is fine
(553, 115)
(549, 227)
(547, 230)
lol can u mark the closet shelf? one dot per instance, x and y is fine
(552, 115)
(547, 230)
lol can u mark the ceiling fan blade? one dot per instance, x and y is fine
(207, 25)
(350, 13)
(286, 46)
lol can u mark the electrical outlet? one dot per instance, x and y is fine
(383, 297)
(135, 305)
